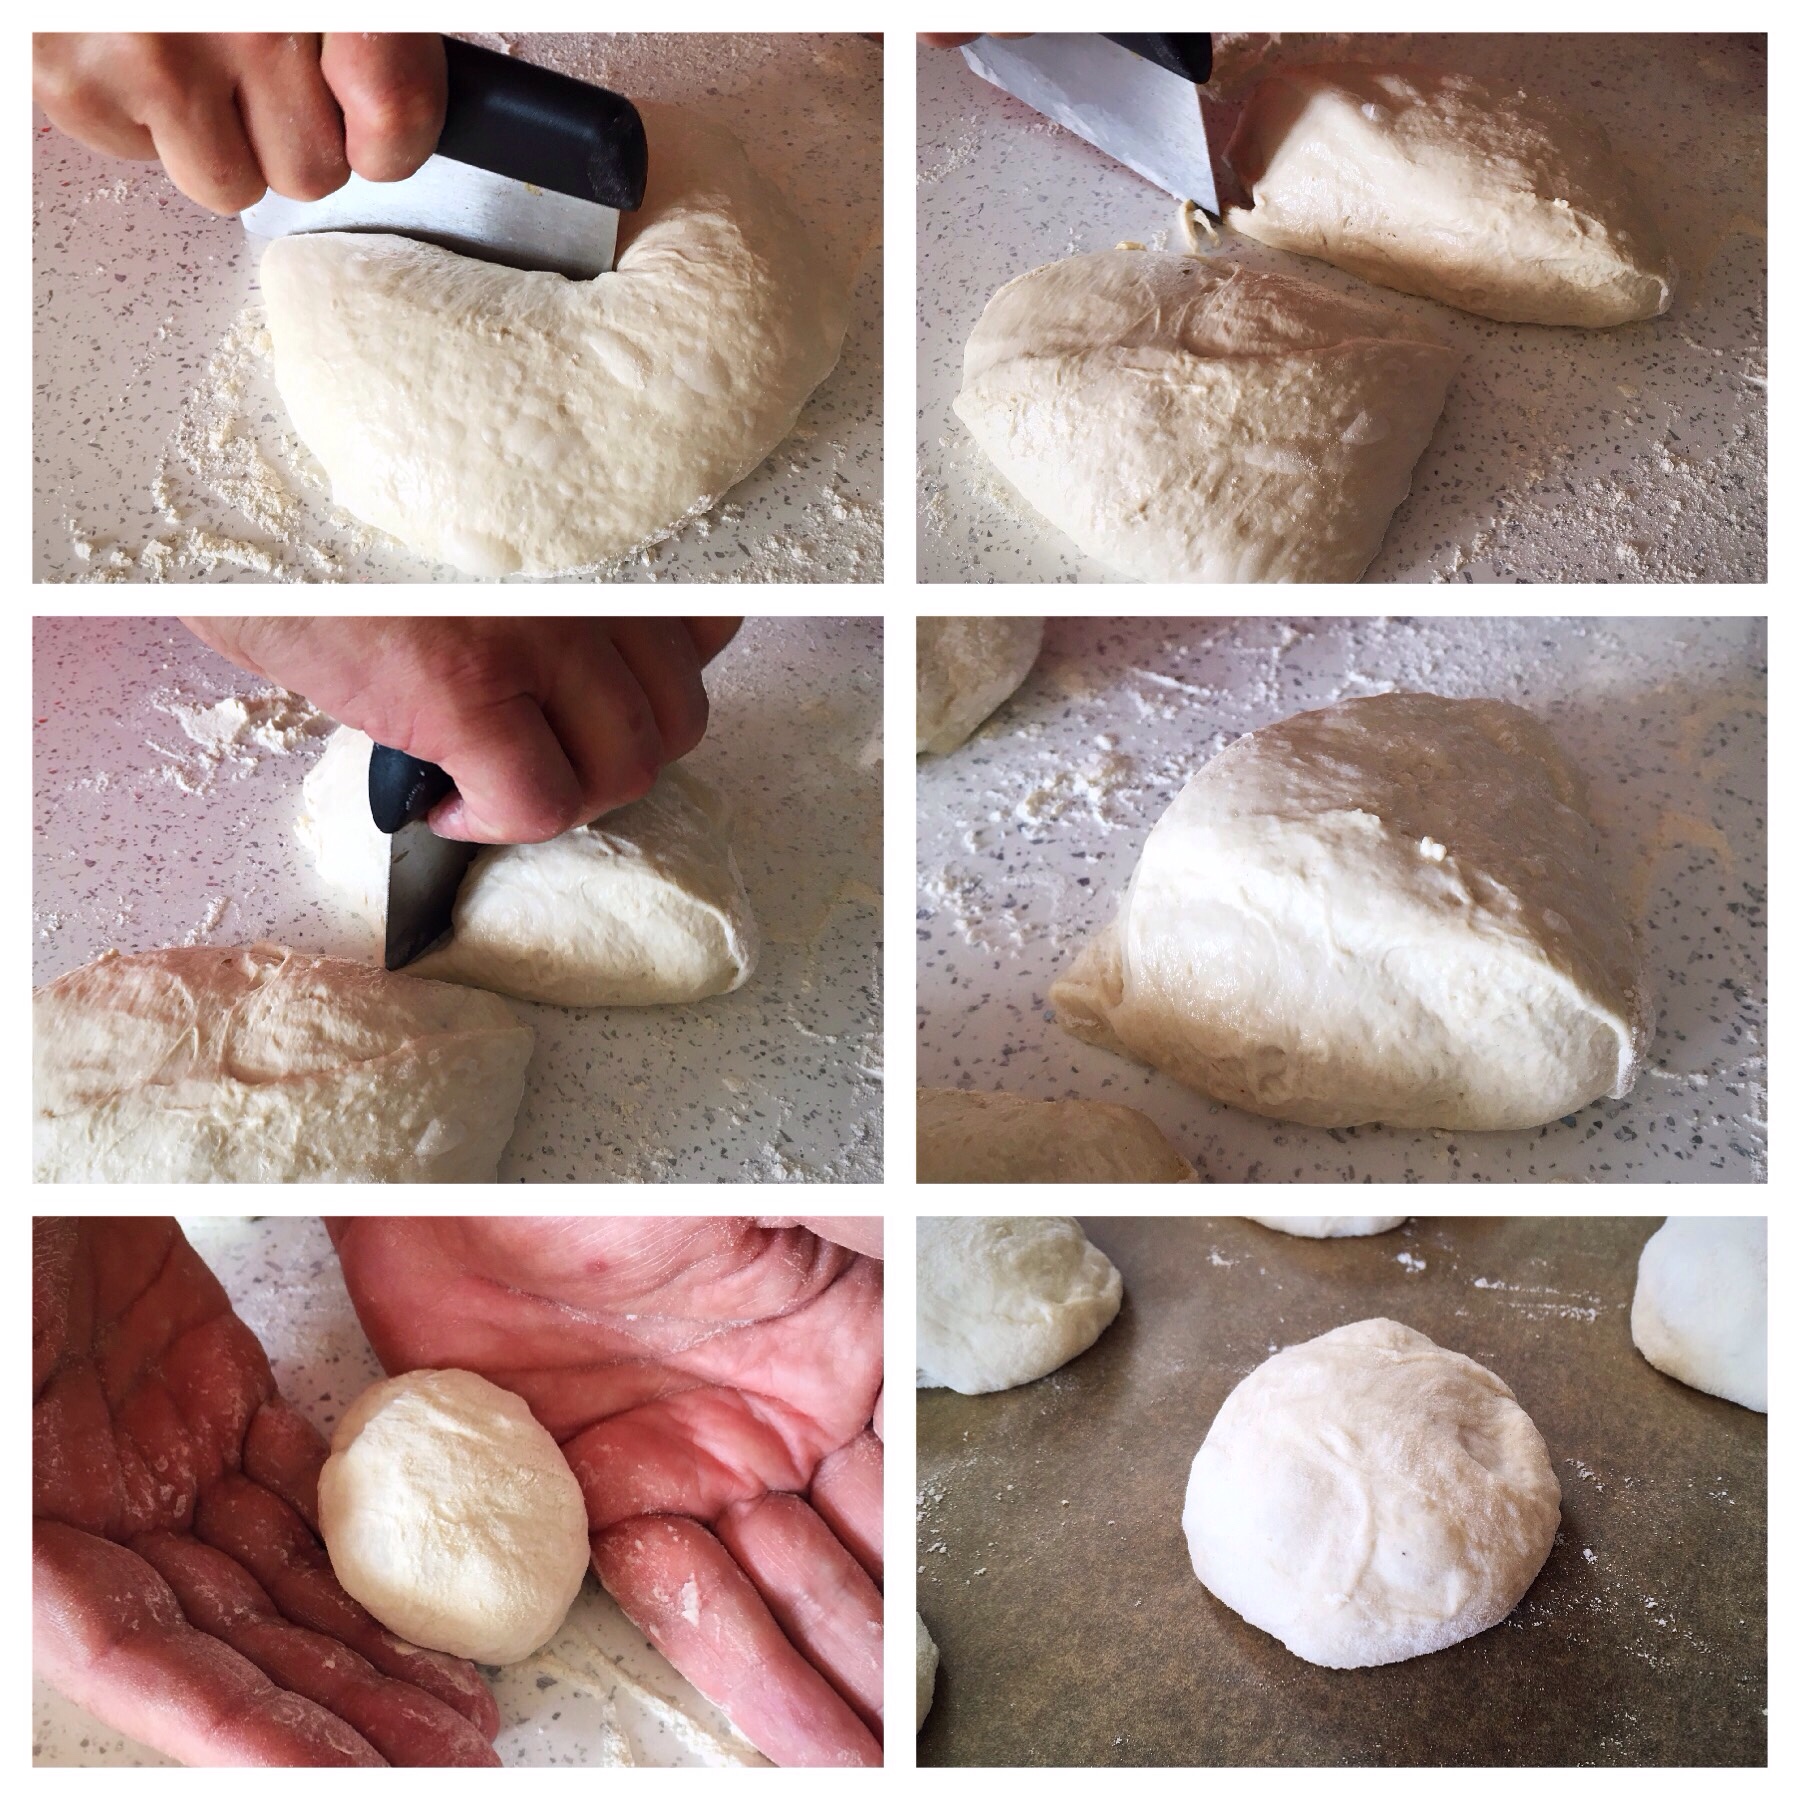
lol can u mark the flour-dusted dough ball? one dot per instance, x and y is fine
(643, 907)
(967, 667)
(1003, 1301)
(1484, 198)
(928, 1668)
(1192, 420)
(1330, 1228)
(452, 1515)
(1005, 1137)
(1367, 1496)
(505, 420)
(266, 1065)
(1701, 1309)
(1388, 910)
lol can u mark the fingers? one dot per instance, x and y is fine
(858, 1234)
(283, 1453)
(291, 120)
(391, 88)
(678, 1584)
(201, 140)
(514, 780)
(846, 1494)
(110, 1635)
(710, 636)
(662, 659)
(817, 1592)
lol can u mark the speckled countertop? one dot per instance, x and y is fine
(597, 1695)
(780, 1081)
(1029, 833)
(1634, 454)
(147, 369)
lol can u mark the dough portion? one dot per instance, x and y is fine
(1331, 1228)
(1390, 910)
(504, 420)
(453, 1516)
(644, 907)
(927, 1671)
(968, 667)
(1368, 1496)
(265, 1065)
(1005, 1137)
(1003, 1301)
(1701, 1308)
(1438, 184)
(1191, 420)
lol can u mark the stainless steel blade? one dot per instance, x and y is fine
(424, 873)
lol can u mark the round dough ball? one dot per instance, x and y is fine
(1003, 1301)
(452, 1515)
(1368, 1496)
(1005, 1137)
(967, 667)
(1701, 1310)
(928, 1668)
(1330, 1228)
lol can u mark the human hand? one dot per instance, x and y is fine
(179, 1588)
(231, 113)
(711, 1382)
(543, 724)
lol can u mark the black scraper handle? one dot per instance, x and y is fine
(1184, 53)
(402, 789)
(532, 124)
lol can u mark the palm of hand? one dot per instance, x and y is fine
(711, 1382)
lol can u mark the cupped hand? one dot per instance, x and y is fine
(180, 1591)
(712, 1382)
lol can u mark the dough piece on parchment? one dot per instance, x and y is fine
(266, 1065)
(1701, 1308)
(1006, 1137)
(1441, 185)
(968, 667)
(644, 907)
(927, 1671)
(1390, 910)
(504, 420)
(1003, 1301)
(1367, 1496)
(1330, 1228)
(1186, 419)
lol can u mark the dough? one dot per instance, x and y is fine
(1004, 1137)
(266, 1065)
(1438, 184)
(643, 907)
(1191, 420)
(1003, 1301)
(967, 667)
(1367, 1497)
(452, 1515)
(1331, 1228)
(500, 419)
(928, 1667)
(1391, 909)
(1701, 1310)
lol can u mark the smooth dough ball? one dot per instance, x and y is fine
(452, 1515)
(1192, 420)
(504, 420)
(1438, 184)
(643, 907)
(1330, 1228)
(1368, 1496)
(1003, 1301)
(1701, 1309)
(1391, 910)
(967, 667)
(266, 1065)
(928, 1668)
(1005, 1137)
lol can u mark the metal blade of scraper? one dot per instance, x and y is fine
(424, 870)
(1145, 116)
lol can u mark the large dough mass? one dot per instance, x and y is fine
(1700, 1311)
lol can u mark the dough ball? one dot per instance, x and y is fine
(928, 1668)
(1438, 184)
(1186, 419)
(1003, 1301)
(1331, 1228)
(1389, 910)
(504, 420)
(1368, 1496)
(967, 667)
(266, 1065)
(1004, 1137)
(1701, 1310)
(643, 907)
(451, 1514)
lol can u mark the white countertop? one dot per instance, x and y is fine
(1029, 833)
